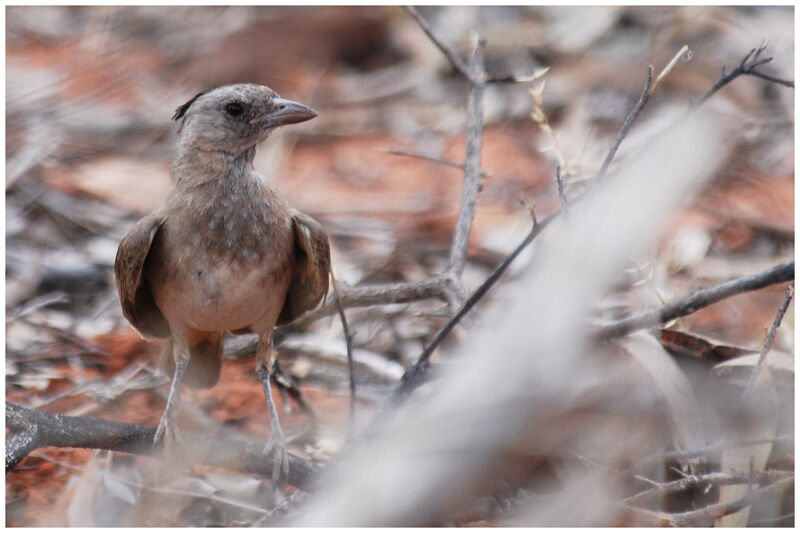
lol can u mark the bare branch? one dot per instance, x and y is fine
(748, 67)
(787, 297)
(381, 294)
(348, 340)
(446, 50)
(472, 163)
(562, 197)
(627, 124)
(698, 300)
(706, 515)
(440, 160)
(716, 478)
(35, 430)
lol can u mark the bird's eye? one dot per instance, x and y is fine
(235, 109)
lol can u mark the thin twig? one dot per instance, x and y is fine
(787, 297)
(698, 300)
(663, 74)
(716, 478)
(440, 160)
(748, 67)
(623, 132)
(446, 50)
(679, 455)
(35, 304)
(348, 339)
(458, 63)
(706, 515)
(562, 197)
(370, 295)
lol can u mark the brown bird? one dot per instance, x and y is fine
(226, 253)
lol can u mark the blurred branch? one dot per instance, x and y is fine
(456, 61)
(440, 160)
(706, 515)
(348, 340)
(698, 300)
(472, 163)
(31, 429)
(713, 478)
(787, 297)
(748, 67)
(678, 455)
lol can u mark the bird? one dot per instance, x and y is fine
(225, 254)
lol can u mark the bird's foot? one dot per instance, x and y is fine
(280, 457)
(169, 436)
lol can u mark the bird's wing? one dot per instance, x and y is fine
(135, 295)
(312, 264)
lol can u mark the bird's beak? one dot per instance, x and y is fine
(285, 112)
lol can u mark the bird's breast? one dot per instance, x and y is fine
(224, 263)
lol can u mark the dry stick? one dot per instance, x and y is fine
(472, 163)
(449, 54)
(787, 297)
(33, 429)
(348, 339)
(748, 67)
(34, 304)
(707, 515)
(369, 295)
(440, 160)
(699, 299)
(716, 478)
(623, 132)
(681, 455)
(562, 197)
(456, 61)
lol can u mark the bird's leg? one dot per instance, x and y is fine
(168, 428)
(276, 443)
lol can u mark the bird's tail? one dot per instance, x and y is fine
(205, 363)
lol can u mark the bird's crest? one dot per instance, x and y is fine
(181, 111)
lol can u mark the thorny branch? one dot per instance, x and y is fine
(33, 429)
(414, 373)
(715, 478)
(748, 67)
(701, 298)
(705, 516)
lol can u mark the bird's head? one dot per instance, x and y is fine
(234, 118)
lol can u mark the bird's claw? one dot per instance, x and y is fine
(280, 457)
(168, 435)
